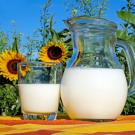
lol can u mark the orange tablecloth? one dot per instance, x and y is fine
(124, 125)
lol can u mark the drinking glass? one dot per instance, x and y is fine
(39, 89)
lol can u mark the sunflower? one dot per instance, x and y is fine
(8, 64)
(54, 52)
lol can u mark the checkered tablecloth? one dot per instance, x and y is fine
(124, 125)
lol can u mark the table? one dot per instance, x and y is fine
(124, 125)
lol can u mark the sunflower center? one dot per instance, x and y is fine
(54, 52)
(12, 66)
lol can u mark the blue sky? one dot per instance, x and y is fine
(26, 13)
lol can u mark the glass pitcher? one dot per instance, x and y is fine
(94, 85)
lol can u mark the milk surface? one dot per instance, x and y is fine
(94, 93)
(39, 98)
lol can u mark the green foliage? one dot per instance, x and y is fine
(129, 108)
(47, 31)
(124, 35)
(9, 102)
(127, 14)
(3, 41)
(45, 21)
(130, 6)
(32, 46)
(128, 33)
(87, 7)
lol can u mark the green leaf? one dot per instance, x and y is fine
(15, 45)
(123, 35)
(54, 34)
(126, 16)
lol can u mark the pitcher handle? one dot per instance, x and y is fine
(130, 57)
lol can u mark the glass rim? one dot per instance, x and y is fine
(38, 63)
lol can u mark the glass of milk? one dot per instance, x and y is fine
(39, 89)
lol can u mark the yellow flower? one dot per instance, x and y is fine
(54, 52)
(8, 64)
(23, 70)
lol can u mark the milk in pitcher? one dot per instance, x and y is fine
(94, 93)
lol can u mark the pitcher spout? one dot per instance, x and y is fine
(68, 23)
